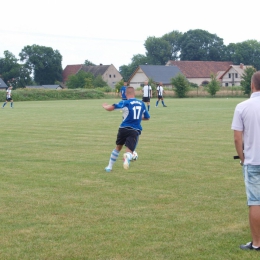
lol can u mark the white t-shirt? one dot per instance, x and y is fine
(8, 93)
(247, 119)
(160, 90)
(146, 91)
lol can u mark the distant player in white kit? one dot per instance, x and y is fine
(160, 92)
(134, 111)
(147, 94)
(8, 97)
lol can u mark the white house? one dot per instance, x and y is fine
(233, 75)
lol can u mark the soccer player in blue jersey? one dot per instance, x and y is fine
(134, 111)
(123, 91)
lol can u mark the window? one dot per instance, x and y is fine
(205, 82)
(226, 84)
(114, 75)
(229, 75)
(236, 75)
(109, 75)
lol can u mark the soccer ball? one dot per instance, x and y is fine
(135, 156)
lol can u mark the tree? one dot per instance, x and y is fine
(181, 85)
(78, 80)
(88, 63)
(214, 86)
(247, 52)
(98, 82)
(13, 73)
(127, 70)
(118, 85)
(173, 38)
(85, 80)
(246, 80)
(200, 45)
(44, 62)
(159, 50)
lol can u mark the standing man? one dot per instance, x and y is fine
(246, 126)
(147, 94)
(123, 91)
(134, 111)
(160, 93)
(8, 97)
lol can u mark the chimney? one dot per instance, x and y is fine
(241, 65)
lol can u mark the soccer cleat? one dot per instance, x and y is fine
(126, 161)
(164, 106)
(107, 169)
(249, 246)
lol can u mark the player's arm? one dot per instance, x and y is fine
(108, 107)
(238, 140)
(145, 115)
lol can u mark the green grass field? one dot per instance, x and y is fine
(184, 197)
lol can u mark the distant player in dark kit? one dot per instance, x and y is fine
(123, 91)
(134, 111)
(160, 92)
(8, 97)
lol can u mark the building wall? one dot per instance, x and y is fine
(112, 76)
(231, 78)
(138, 79)
(198, 81)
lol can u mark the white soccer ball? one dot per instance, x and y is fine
(135, 156)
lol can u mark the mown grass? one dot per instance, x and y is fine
(183, 198)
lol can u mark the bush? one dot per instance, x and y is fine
(43, 94)
(214, 86)
(181, 85)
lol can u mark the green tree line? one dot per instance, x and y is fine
(42, 65)
(193, 45)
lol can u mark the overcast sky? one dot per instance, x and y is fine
(112, 31)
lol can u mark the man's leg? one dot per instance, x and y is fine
(148, 106)
(252, 184)
(113, 157)
(163, 103)
(254, 221)
(128, 156)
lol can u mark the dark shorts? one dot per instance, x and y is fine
(146, 99)
(8, 99)
(160, 97)
(128, 137)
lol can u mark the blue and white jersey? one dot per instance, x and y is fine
(133, 111)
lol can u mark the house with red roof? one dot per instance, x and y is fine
(199, 72)
(108, 72)
(233, 75)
